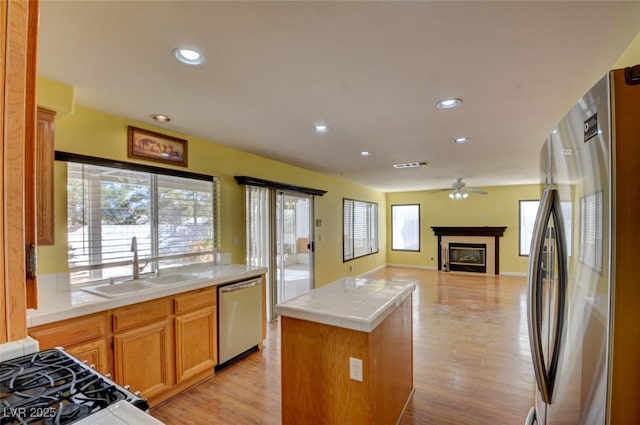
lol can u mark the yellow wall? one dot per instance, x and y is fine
(94, 133)
(498, 208)
(84, 131)
(631, 56)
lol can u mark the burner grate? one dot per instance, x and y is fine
(51, 387)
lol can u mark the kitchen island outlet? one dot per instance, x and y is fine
(347, 353)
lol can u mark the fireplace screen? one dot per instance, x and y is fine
(467, 257)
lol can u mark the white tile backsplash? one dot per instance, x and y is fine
(13, 349)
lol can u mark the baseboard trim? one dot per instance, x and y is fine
(514, 274)
(433, 268)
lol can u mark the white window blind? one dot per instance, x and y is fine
(360, 228)
(257, 220)
(591, 230)
(172, 218)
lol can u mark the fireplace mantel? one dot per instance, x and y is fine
(484, 231)
(469, 231)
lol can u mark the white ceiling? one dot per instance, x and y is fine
(372, 71)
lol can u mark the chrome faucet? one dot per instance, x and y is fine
(134, 249)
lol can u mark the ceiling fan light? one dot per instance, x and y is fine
(451, 195)
(465, 195)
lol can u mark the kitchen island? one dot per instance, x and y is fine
(347, 353)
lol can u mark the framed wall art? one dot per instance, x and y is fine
(152, 146)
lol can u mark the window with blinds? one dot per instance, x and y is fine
(172, 218)
(360, 224)
(591, 230)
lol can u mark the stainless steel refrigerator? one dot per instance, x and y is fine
(583, 286)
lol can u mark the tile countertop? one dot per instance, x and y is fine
(56, 305)
(353, 303)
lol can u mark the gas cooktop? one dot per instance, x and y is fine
(52, 387)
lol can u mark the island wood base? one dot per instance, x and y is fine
(316, 387)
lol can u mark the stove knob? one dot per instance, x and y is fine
(126, 387)
(137, 393)
(108, 375)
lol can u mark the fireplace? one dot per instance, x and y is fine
(468, 257)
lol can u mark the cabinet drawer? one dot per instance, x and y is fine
(140, 314)
(71, 332)
(195, 300)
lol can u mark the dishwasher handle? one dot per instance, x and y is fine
(239, 286)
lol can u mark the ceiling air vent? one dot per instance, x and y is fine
(411, 164)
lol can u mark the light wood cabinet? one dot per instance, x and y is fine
(86, 338)
(158, 347)
(18, 60)
(195, 333)
(142, 347)
(44, 160)
(142, 358)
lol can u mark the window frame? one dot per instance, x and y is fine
(372, 229)
(393, 206)
(155, 174)
(520, 226)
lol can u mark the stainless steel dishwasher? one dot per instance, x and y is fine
(239, 320)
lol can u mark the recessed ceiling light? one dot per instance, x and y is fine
(461, 140)
(160, 118)
(189, 56)
(448, 103)
(365, 153)
(320, 128)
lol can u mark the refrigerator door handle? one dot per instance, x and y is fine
(562, 273)
(531, 417)
(549, 206)
(534, 294)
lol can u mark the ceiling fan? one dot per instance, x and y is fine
(461, 191)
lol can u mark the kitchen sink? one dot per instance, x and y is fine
(172, 278)
(118, 289)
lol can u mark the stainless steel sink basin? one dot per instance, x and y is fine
(118, 289)
(172, 278)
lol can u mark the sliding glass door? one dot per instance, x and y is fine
(293, 247)
(279, 237)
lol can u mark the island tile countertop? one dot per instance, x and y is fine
(54, 306)
(359, 304)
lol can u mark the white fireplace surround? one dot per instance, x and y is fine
(490, 257)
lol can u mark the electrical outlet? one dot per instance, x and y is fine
(355, 369)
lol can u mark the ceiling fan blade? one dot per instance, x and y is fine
(478, 191)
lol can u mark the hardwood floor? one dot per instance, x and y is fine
(471, 360)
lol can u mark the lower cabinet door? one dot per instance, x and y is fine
(93, 353)
(195, 343)
(142, 358)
